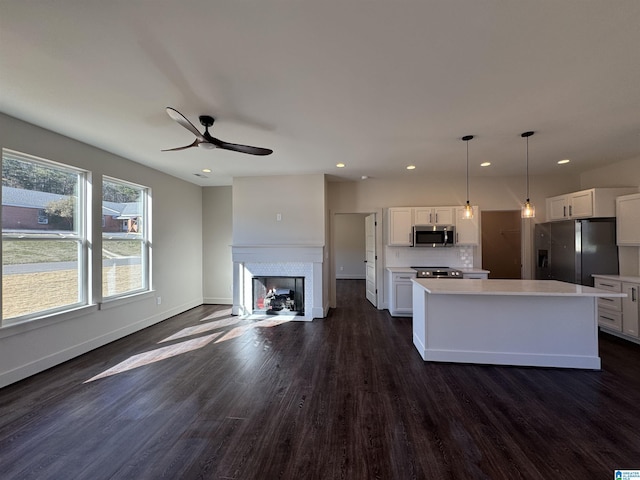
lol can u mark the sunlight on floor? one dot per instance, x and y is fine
(185, 346)
(156, 355)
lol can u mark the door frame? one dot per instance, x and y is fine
(379, 254)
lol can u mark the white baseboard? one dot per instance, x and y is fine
(217, 301)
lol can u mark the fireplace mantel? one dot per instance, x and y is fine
(278, 260)
(277, 253)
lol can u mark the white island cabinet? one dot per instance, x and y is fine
(542, 323)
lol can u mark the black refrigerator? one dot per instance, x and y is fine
(573, 250)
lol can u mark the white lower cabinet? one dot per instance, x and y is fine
(619, 315)
(630, 312)
(401, 298)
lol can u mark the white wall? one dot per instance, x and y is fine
(216, 242)
(177, 258)
(298, 200)
(489, 193)
(349, 245)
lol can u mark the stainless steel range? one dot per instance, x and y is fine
(437, 272)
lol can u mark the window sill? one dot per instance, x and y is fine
(44, 321)
(116, 302)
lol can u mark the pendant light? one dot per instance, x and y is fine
(468, 211)
(528, 210)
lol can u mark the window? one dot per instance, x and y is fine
(44, 237)
(43, 218)
(125, 238)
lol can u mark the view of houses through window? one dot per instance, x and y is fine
(124, 238)
(44, 266)
(45, 242)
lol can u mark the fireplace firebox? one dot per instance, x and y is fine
(278, 295)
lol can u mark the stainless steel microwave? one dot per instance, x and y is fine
(434, 236)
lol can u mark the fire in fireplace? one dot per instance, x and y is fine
(278, 295)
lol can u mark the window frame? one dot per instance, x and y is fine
(145, 240)
(81, 236)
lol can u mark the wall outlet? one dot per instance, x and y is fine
(341, 268)
(278, 217)
(158, 300)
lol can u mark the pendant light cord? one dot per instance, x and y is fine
(467, 172)
(527, 169)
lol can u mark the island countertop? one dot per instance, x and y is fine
(546, 288)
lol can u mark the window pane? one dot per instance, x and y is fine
(43, 237)
(124, 238)
(39, 276)
(38, 198)
(122, 266)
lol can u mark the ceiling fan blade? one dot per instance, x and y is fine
(182, 120)
(243, 148)
(194, 144)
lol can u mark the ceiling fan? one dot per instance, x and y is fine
(205, 140)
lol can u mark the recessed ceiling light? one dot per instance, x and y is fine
(340, 165)
(562, 162)
(206, 170)
(485, 164)
(411, 167)
(364, 177)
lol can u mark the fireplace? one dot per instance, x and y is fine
(263, 261)
(278, 295)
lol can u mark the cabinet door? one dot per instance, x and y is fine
(581, 204)
(443, 215)
(467, 231)
(628, 220)
(400, 222)
(630, 312)
(557, 208)
(403, 297)
(423, 216)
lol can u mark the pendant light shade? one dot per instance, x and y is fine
(528, 210)
(468, 210)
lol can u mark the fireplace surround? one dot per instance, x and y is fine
(304, 261)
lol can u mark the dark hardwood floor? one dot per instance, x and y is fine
(207, 395)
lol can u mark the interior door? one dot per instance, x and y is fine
(370, 247)
(501, 243)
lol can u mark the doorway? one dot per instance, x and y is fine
(502, 243)
(355, 247)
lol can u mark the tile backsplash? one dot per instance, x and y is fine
(460, 257)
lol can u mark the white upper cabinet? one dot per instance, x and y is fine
(594, 202)
(400, 223)
(402, 219)
(467, 229)
(433, 215)
(628, 220)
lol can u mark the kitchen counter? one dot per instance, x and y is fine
(544, 288)
(542, 323)
(401, 270)
(619, 278)
(473, 270)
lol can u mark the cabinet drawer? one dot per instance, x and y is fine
(610, 303)
(610, 319)
(606, 284)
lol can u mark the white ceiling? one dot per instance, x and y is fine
(376, 84)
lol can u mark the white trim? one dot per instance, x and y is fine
(27, 325)
(112, 302)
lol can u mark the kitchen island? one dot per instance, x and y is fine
(544, 323)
